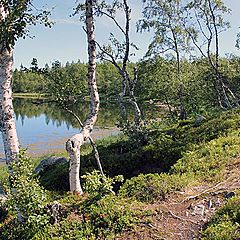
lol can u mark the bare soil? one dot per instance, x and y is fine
(177, 218)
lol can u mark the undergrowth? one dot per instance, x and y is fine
(192, 153)
(99, 214)
(168, 158)
(225, 225)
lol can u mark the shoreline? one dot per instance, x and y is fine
(58, 146)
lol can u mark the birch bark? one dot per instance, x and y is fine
(7, 121)
(73, 145)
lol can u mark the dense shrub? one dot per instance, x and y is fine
(152, 187)
(99, 214)
(26, 202)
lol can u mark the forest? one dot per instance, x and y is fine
(173, 174)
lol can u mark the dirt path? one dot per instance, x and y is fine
(184, 213)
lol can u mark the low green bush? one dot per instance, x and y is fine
(97, 185)
(99, 214)
(200, 159)
(225, 225)
(152, 187)
(26, 202)
(207, 160)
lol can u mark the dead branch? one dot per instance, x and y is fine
(180, 218)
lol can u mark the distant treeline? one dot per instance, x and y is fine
(33, 79)
(158, 81)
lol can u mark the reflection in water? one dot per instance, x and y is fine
(44, 128)
(53, 115)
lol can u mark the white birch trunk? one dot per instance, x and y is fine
(137, 111)
(73, 145)
(7, 121)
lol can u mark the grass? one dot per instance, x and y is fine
(30, 95)
(3, 174)
(188, 153)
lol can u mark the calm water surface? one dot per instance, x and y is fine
(44, 128)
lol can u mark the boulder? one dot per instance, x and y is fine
(50, 161)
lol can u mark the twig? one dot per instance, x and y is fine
(150, 225)
(96, 154)
(205, 191)
(180, 218)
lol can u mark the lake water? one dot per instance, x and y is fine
(44, 128)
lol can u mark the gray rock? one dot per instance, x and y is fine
(50, 161)
(199, 119)
(3, 196)
(199, 209)
(230, 195)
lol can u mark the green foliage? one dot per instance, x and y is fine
(61, 82)
(28, 82)
(152, 187)
(20, 15)
(70, 229)
(157, 81)
(199, 151)
(97, 215)
(66, 84)
(3, 174)
(108, 215)
(191, 152)
(27, 201)
(207, 160)
(97, 185)
(169, 36)
(101, 219)
(225, 223)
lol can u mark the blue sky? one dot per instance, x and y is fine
(66, 40)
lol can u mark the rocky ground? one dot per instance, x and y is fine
(183, 214)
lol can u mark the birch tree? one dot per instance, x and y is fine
(167, 21)
(15, 16)
(73, 145)
(207, 23)
(118, 53)
(8, 128)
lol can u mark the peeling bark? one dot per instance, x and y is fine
(73, 145)
(7, 121)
